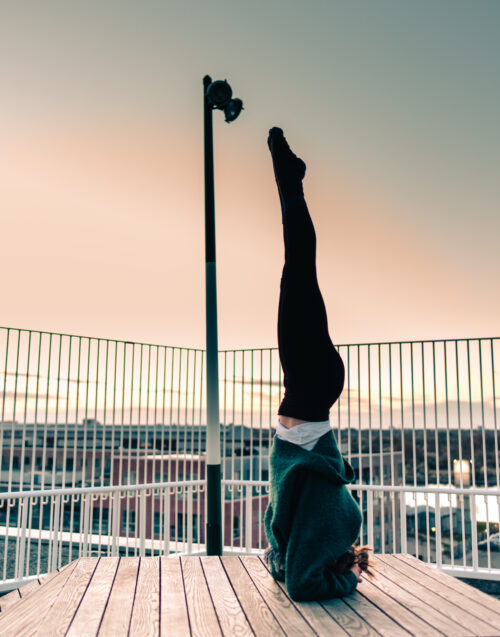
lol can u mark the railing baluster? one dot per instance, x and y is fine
(114, 442)
(21, 548)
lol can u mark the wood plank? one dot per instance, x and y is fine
(400, 613)
(7, 600)
(387, 581)
(319, 619)
(438, 595)
(231, 617)
(201, 610)
(288, 616)
(88, 616)
(46, 577)
(146, 610)
(116, 619)
(65, 605)
(26, 590)
(261, 619)
(350, 621)
(375, 617)
(461, 620)
(29, 612)
(487, 601)
(174, 620)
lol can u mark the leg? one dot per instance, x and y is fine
(313, 369)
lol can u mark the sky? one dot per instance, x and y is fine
(392, 104)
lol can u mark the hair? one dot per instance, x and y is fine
(355, 555)
(276, 563)
(342, 565)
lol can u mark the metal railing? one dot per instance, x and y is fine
(80, 412)
(44, 530)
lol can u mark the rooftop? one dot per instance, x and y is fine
(237, 596)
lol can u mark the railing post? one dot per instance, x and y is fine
(189, 520)
(213, 528)
(248, 518)
(21, 549)
(87, 505)
(166, 523)
(55, 541)
(473, 522)
(369, 523)
(437, 523)
(142, 523)
(115, 528)
(402, 506)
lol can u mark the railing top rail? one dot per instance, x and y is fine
(250, 483)
(99, 338)
(249, 349)
(390, 487)
(110, 489)
(375, 343)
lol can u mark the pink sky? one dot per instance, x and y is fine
(101, 181)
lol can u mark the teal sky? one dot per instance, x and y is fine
(393, 105)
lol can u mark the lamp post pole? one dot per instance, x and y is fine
(213, 469)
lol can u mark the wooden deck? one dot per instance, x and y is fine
(236, 596)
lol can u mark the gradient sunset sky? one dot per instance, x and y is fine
(394, 105)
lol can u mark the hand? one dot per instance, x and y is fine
(357, 571)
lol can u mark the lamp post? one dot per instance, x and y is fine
(216, 95)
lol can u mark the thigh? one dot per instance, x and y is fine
(306, 350)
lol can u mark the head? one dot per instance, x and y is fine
(355, 555)
(343, 564)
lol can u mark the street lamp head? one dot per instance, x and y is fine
(219, 93)
(233, 109)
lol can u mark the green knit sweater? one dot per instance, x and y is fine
(312, 519)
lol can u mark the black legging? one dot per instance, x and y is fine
(313, 369)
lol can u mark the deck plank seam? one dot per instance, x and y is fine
(285, 592)
(2, 610)
(185, 596)
(283, 588)
(443, 614)
(455, 590)
(364, 623)
(450, 601)
(333, 618)
(135, 594)
(362, 619)
(404, 606)
(82, 596)
(385, 612)
(444, 611)
(294, 604)
(236, 595)
(109, 595)
(211, 598)
(262, 596)
(59, 591)
(258, 590)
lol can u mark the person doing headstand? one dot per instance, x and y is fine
(312, 521)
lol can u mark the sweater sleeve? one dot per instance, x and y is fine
(307, 575)
(317, 582)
